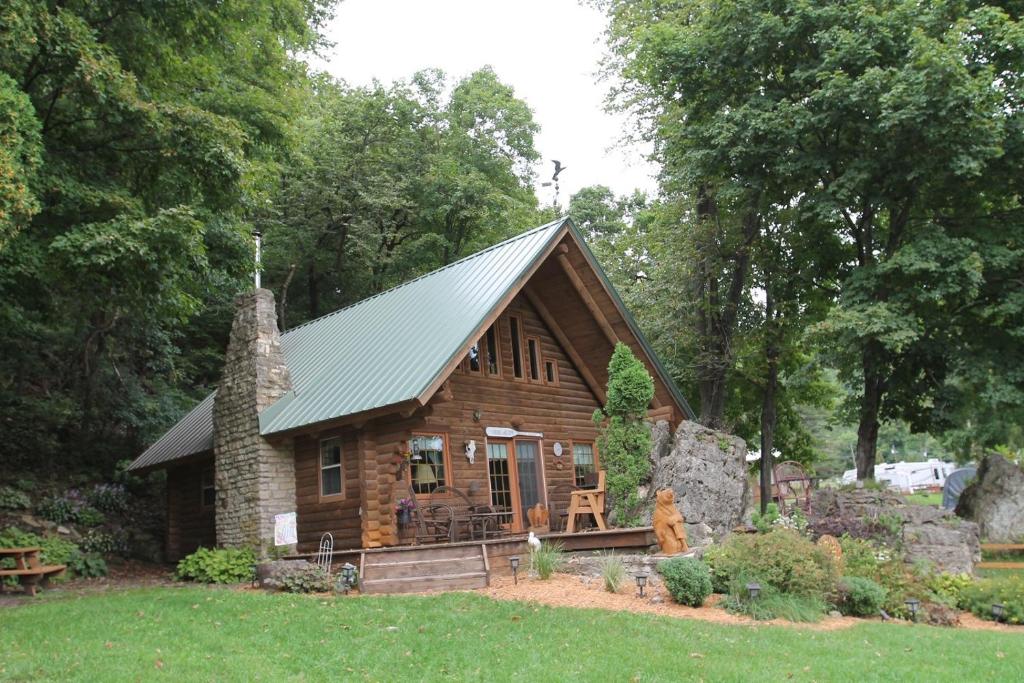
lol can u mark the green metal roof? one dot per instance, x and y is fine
(390, 348)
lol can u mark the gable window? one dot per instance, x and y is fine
(583, 461)
(517, 347)
(551, 372)
(208, 492)
(473, 358)
(330, 468)
(429, 462)
(533, 347)
(492, 352)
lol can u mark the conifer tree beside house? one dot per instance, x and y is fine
(625, 441)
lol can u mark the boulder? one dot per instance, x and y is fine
(707, 470)
(996, 500)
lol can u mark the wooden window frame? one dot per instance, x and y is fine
(553, 364)
(534, 343)
(516, 341)
(572, 455)
(446, 457)
(468, 364)
(340, 495)
(203, 488)
(492, 334)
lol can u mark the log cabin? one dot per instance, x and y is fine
(482, 375)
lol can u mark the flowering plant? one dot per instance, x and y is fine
(405, 505)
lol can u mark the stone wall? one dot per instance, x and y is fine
(255, 478)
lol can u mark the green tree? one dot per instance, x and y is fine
(392, 181)
(625, 441)
(889, 124)
(136, 138)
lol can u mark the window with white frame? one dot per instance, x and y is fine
(331, 477)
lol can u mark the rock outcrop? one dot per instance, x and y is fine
(927, 534)
(707, 472)
(995, 501)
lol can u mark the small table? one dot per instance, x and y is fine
(483, 520)
(28, 569)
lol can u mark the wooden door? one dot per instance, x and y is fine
(516, 476)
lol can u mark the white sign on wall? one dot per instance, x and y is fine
(284, 529)
(509, 433)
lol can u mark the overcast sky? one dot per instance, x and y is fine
(548, 50)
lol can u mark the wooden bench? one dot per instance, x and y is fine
(1001, 548)
(29, 571)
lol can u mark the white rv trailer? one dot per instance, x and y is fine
(908, 476)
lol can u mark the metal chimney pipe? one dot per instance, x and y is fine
(259, 246)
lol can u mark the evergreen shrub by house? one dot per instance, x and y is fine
(687, 580)
(218, 565)
(625, 441)
(781, 558)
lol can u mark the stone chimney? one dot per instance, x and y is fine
(255, 479)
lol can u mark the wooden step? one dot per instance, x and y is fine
(419, 584)
(424, 552)
(406, 570)
(1002, 547)
(1000, 565)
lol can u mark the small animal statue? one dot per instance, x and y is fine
(471, 451)
(539, 516)
(835, 551)
(669, 526)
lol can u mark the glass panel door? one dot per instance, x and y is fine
(528, 469)
(500, 475)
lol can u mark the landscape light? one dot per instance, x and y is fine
(348, 575)
(912, 605)
(514, 563)
(998, 610)
(641, 581)
(753, 590)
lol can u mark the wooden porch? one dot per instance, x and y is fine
(467, 565)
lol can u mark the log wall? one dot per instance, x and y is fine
(190, 525)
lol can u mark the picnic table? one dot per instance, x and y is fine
(28, 568)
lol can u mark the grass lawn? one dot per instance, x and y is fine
(198, 634)
(924, 498)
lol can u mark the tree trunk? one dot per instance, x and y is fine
(870, 406)
(313, 290)
(769, 414)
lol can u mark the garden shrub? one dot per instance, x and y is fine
(859, 597)
(948, 588)
(781, 558)
(771, 603)
(90, 516)
(105, 542)
(548, 559)
(687, 580)
(1005, 590)
(87, 565)
(613, 572)
(111, 498)
(218, 565)
(308, 578)
(13, 499)
(884, 566)
(59, 509)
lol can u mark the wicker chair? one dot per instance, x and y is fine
(792, 487)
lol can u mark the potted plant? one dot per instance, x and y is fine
(404, 509)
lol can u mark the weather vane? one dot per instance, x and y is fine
(554, 178)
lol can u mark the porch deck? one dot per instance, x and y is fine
(468, 564)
